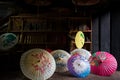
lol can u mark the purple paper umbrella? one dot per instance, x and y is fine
(78, 66)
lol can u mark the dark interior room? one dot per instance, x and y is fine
(52, 25)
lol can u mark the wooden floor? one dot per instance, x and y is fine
(58, 76)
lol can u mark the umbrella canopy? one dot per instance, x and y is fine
(7, 41)
(37, 64)
(85, 2)
(78, 66)
(49, 50)
(79, 39)
(82, 52)
(103, 63)
(61, 57)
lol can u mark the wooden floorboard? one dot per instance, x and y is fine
(18, 75)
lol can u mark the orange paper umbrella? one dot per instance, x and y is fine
(103, 63)
(7, 41)
(61, 58)
(37, 64)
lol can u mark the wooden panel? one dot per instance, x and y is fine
(105, 32)
(95, 34)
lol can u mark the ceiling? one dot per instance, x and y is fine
(59, 6)
(54, 3)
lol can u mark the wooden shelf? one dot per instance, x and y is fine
(84, 31)
(87, 42)
(41, 31)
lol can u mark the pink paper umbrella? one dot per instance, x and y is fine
(78, 66)
(103, 63)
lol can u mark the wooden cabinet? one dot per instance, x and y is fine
(50, 32)
(83, 24)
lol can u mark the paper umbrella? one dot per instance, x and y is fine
(78, 66)
(37, 64)
(103, 63)
(61, 57)
(82, 52)
(79, 39)
(7, 41)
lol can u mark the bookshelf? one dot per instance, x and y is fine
(50, 32)
(39, 32)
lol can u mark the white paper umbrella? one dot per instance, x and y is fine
(37, 64)
(82, 52)
(61, 57)
(7, 41)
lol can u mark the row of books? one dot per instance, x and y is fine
(40, 39)
(18, 24)
(37, 27)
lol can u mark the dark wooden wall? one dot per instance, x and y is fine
(115, 33)
(101, 32)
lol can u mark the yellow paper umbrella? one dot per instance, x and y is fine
(79, 39)
(37, 64)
